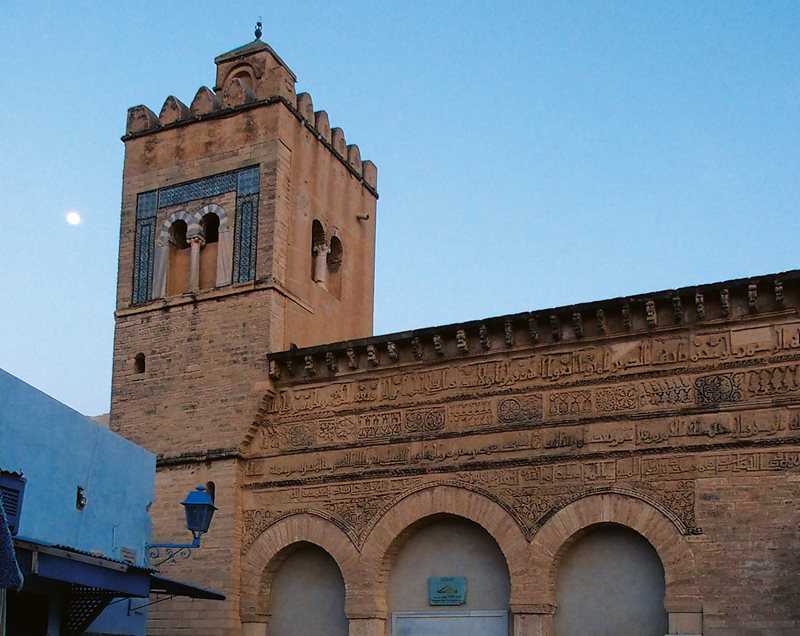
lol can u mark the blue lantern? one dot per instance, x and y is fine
(199, 508)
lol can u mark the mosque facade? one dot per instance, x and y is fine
(628, 466)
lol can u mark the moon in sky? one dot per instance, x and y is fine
(73, 218)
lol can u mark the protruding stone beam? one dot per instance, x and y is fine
(352, 359)
(438, 345)
(779, 294)
(508, 333)
(485, 337)
(140, 119)
(274, 370)
(650, 313)
(462, 342)
(577, 324)
(600, 321)
(373, 357)
(290, 366)
(391, 349)
(677, 309)
(700, 306)
(533, 329)
(417, 350)
(627, 323)
(173, 110)
(205, 102)
(331, 362)
(752, 298)
(310, 366)
(725, 302)
(555, 327)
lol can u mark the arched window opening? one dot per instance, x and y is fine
(335, 267)
(211, 488)
(179, 259)
(319, 251)
(210, 225)
(245, 77)
(139, 363)
(210, 251)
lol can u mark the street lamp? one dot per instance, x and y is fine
(199, 509)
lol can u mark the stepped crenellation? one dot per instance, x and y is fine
(242, 92)
(735, 300)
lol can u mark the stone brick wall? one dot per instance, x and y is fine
(685, 428)
(215, 565)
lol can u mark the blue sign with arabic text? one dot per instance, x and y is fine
(447, 590)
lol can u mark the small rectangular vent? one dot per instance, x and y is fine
(12, 488)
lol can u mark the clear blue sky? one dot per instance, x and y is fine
(530, 154)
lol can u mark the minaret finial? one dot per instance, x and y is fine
(258, 29)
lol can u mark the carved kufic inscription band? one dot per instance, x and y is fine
(656, 395)
(741, 428)
(530, 494)
(545, 370)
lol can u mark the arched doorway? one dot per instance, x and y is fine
(441, 555)
(307, 594)
(610, 581)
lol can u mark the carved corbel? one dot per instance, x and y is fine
(508, 333)
(627, 323)
(555, 327)
(274, 370)
(752, 297)
(352, 359)
(725, 302)
(310, 366)
(417, 349)
(577, 324)
(372, 356)
(533, 329)
(290, 367)
(391, 349)
(600, 321)
(485, 338)
(677, 309)
(779, 294)
(650, 313)
(461, 341)
(699, 306)
(438, 345)
(330, 362)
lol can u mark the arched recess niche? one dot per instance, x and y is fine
(264, 558)
(682, 599)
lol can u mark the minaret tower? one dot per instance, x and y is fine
(247, 226)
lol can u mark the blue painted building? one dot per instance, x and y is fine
(84, 519)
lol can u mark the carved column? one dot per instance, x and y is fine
(321, 264)
(196, 243)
